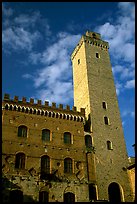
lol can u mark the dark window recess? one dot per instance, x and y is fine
(22, 131)
(78, 61)
(97, 55)
(44, 196)
(87, 126)
(67, 137)
(109, 145)
(20, 161)
(68, 165)
(46, 135)
(45, 166)
(69, 197)
(92, 192)
(104, 105)
(114, 193)
(106, 120)
(88, 141)
(16, 196)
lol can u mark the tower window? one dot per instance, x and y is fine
(104, 105)
(97, 55)
(88, 141)
(22, 131)
(20, 161)
(45, 135)
(78, 61)
(67, 137)
(109, 145)
(106, 120)
(68, 165)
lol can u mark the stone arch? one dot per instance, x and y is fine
(27, 109)
(11, 107)
(115, 192)
(7, 106)
(23, 109)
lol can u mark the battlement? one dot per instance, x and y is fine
(39, 109)
(93, 39)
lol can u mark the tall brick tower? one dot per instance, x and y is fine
(95, 91)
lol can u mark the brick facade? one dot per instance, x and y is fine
(93, 167)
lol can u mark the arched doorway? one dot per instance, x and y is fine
(69, 197)
(114, 193)
(16, 196)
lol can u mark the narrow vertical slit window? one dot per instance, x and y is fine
(97, 55)
(104, 105)
(78, 61)
(106, 120)
(109, 145)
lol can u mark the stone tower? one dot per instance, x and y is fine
(95, 91)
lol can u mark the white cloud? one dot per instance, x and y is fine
(22, 32)
(54, 80)
(19, 38)
(128, 113)
(130, 84)
(119, 88)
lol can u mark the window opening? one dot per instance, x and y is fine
(109, 145)
(45, 135)
(104, 105)
(106, 120)
(20, 161)
(68, 165)
(78, 61)
(88, 141)
(45, 165)
(67, 138)
(22, 131)
(69, 197)
(44, 196)
(97, 55)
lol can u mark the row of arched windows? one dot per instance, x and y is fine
(115, 195)
(45, 164)
(16, 196)
(22, 132)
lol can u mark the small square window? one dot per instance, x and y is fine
(97, 55)
(78, 61)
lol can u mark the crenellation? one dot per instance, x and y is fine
(31, 101)
(46, 103)
(23, 99)
(16, 98)
(61, 106)
(53, 105)
(39, 102)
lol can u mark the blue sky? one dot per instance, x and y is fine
(39, 37)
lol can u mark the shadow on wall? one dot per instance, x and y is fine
(13, 193)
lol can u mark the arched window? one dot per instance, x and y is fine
(106, 121)
(68, 165)
(44, 196)
(16, 196)
(67, 137)
(109, 145)
(92, 192)
(69, 197)
(88, 141)
(10, 107)
(45, 166)
(6, 107)
(114, 193)
(22, 131)
(20, 161)
(45, 135)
